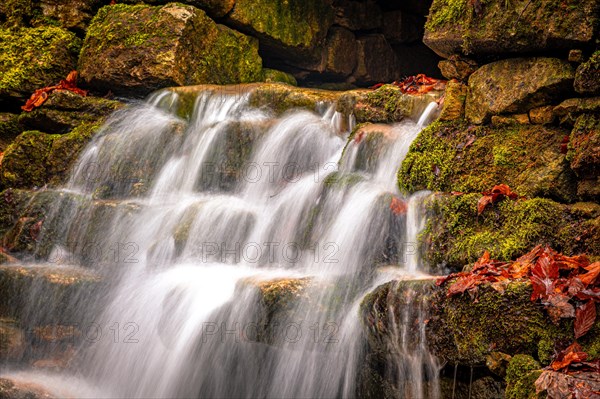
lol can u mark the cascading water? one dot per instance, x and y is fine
(186, 217)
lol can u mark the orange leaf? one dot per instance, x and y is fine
(398, 206)
(584, 318)
(591, 277)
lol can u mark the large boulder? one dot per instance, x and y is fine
(377, 61)
(214, 8)
(32, 58)
(286, 29)
(457, 235)
(451, 156)
(587, 76)
(357, 15)
(9, 129)
(501, 27)
(516, 85)
(135, 49)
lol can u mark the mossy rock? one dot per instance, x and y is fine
(64, 111)
(492, 88)
(35, 159)
(281, 98)
(463, 331)
(135, 49)
(9, 129)
(456, 235)
(513, 27)
(521, 374)
(214, 8)
(453, 156)
(587, 76)
(584, 146)
(288, 29)
(275, 76)
(32, 58)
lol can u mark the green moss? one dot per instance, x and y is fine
(16, 13)
(456, 235)
(32, 58)
(23, 164)
(386, 104)
(453, 156)
(445, 12)
(274, 76)
(521, 375)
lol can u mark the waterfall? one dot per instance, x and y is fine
(188, 216)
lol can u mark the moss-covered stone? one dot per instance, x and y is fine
(9, 129)
(492, 89)
(461, 330)
(290, 28)
(451, 156)
(587, 76)
(63, 111)
(521, 374)
(454, 101)
(32, 58)
(584, 146)
(35, 159)
(135, 49)
(275, 76)
(456, 235)
(519, 26)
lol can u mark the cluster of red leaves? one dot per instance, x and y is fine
(498, 193)
(398, 206)
(570, 375)
(41, 95)
(418, 84)
(568, 286)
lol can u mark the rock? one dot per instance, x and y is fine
(519, 119)
(457, 68)
(73, 15)
(377, 61)
(462, 331)
(492, 88)
(542, 115)
(450, 156)
(32, 58)
(63, 111)
(372, 140)
(355, 15)
(584, 146)
(515, 27)
(576, 56)
(287, 30)
(12, 340)
(48, 295)
(214, 8)
(590, 189)
(459, 235)
(341, 50)
(587, 76)
(575, 106)
(9, 129)
(14, 389)
(35, 159)
(134, 50)
(275, 76)
(454, 101)
(401, 27)
(387, 104)
(521, 374)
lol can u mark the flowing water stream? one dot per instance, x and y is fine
(194, 215)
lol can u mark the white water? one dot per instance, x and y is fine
(181, 249)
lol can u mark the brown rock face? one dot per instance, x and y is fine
(341, 52)
(356, 15)
(519, 26)
(515, 86)
(138, 49)
(401, 27)
(454, 101)
(377, 61)
(457, 68)
(587, 76)
(585, 146)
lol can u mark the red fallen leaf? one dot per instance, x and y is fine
(556, 384)
(585, 317)
(41, 95)
(358, 137)
(398, 206)
(543, 274)
(593, 294)
(462, 284)
(456, 193)
(374, 87)
(575, 286)
(591, 277)
(572, 354)
(498, 193)
(34, 231)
